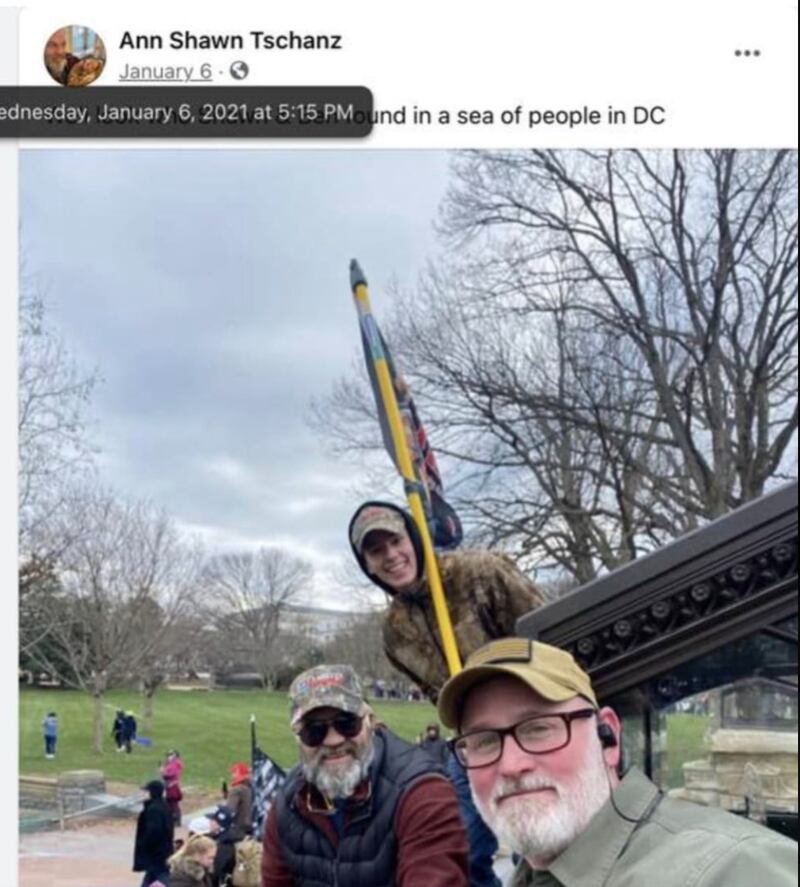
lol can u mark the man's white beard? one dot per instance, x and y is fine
(346, 778)
(542, 828)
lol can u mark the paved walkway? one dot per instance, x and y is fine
(98, 854)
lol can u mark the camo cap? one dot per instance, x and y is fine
(326, 686)
(549, 671)
(373, 517)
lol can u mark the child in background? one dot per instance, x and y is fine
(50, 731)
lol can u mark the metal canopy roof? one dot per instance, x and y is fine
(733, 577)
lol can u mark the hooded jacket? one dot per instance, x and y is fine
(154, 832)
(485, 593)
(187, 872)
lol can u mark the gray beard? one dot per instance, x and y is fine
(343, 783)
(542, 834)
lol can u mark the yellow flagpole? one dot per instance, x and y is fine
(361, 295)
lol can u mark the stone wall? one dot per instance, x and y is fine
(745, 768)
(68, 793)
(75, 787)
(38, 793)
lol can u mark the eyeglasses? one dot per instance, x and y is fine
(538, 735)
(312, 733)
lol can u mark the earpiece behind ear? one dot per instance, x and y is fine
(607, 736)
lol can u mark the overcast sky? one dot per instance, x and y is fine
(210, 290)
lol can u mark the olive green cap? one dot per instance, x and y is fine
(550, 672)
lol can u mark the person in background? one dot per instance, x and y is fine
(240, 797)
(154, 836)
(50, 733)
(118, 729)
(171, 772)
(543, 760)
(227, 835)
(433, 743)
(200, 825)
(128, 731)
(191, 866)
(485, 594)
(363, 807)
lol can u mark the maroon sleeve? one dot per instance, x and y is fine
(274, 872)
(432, 844)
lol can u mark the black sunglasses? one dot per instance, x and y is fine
(312, 733)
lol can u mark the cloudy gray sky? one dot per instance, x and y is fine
(210, 290)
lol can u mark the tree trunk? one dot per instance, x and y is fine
(97, 745)
(147, 707)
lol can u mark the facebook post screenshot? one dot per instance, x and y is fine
(404, 482)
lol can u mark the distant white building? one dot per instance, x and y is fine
(320, 625)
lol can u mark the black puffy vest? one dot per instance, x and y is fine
(367, 852)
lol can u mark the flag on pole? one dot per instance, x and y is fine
(443, 523)
(407, 438)
(268, 777)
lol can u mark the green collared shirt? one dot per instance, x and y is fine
(671, 844)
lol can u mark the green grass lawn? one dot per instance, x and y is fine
(211, 729)
(686, 741)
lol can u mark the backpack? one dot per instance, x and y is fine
(247, 867)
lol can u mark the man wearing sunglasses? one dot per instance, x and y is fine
(543, 758)
(363, 806)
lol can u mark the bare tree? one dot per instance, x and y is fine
(53, 393)
(690, 258)
(125, 576)
(360, 645)
(190, 643)
(246, 594)
(513, 409)
(610, 359)
(176, 642)
(39, 591)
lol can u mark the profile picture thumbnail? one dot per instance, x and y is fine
(74, 56)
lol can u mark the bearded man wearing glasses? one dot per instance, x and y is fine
(362, 806)
(543, 760)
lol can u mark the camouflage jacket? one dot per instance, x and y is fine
(485, 593)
